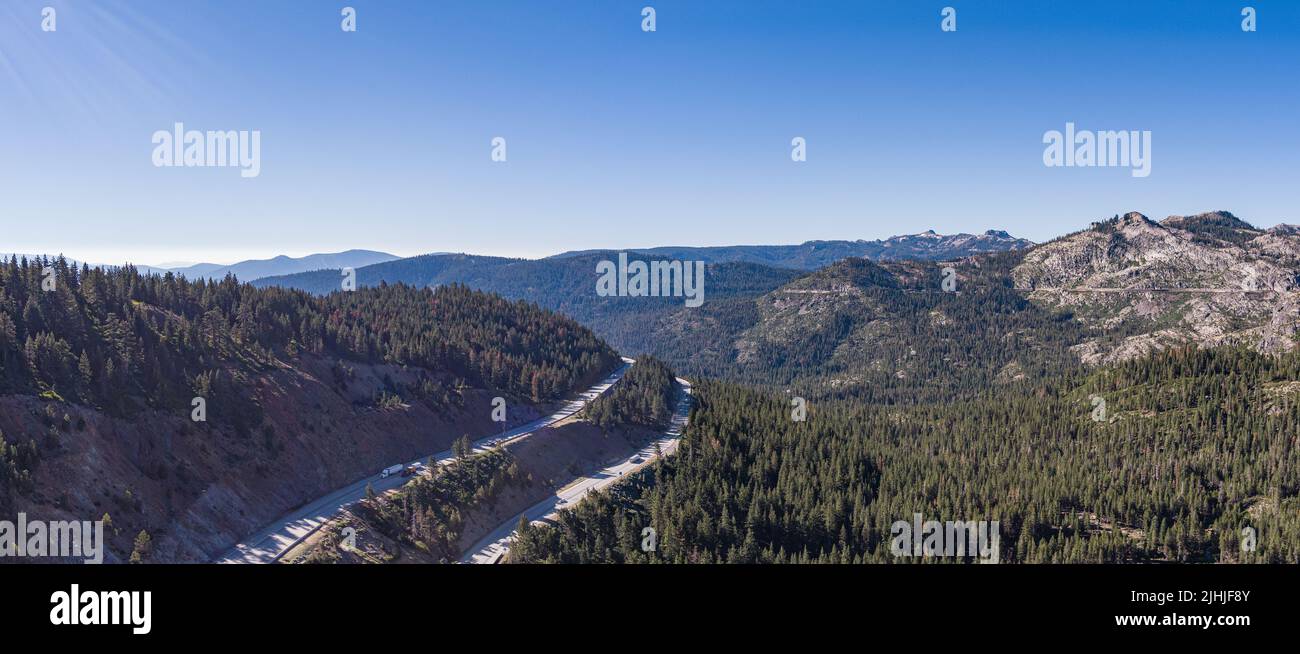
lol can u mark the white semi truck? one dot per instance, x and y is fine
(391, 470)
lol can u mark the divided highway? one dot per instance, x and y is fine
(271, 543)
(491, 548)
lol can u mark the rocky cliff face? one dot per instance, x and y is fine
(929, 246)
(1207, 279)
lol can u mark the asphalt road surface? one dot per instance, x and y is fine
(491, 548)
(271, 542)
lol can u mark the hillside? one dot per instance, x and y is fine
(877, 332)
(567, 286)
(1127, 393)
(1207, 279)
(302, 394)
(1188, 448)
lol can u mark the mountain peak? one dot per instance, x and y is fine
(1131, 223)
(1203, 278)
(1135, 218)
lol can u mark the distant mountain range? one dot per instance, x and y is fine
(696, 340)
(425, 269)
(811, 255)
(525, 277)
(1123, 288)
(247, 271)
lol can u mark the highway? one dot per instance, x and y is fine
(491, 548)
(270, 543)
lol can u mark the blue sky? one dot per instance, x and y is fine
(381, 138)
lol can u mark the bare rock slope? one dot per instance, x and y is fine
(1208, 279)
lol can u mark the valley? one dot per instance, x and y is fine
(271, 543)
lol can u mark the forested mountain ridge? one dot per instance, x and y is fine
(423, 270)
(560, 284)
(567, 285)
(739, 331)
(301, 393)
(538, 279)
(98, 336)
(1185, 449)
(886, 331)
(811, 255)
(644, 397)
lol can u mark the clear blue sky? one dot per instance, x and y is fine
(617, 138)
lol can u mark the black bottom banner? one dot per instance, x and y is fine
(253, 606)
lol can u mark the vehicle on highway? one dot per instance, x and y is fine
(391, 470)
(409, 470)
(637, 459)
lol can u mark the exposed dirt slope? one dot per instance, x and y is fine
(197, 489)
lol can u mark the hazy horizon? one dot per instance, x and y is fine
(108, 258)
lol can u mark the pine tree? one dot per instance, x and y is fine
(143, 547)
